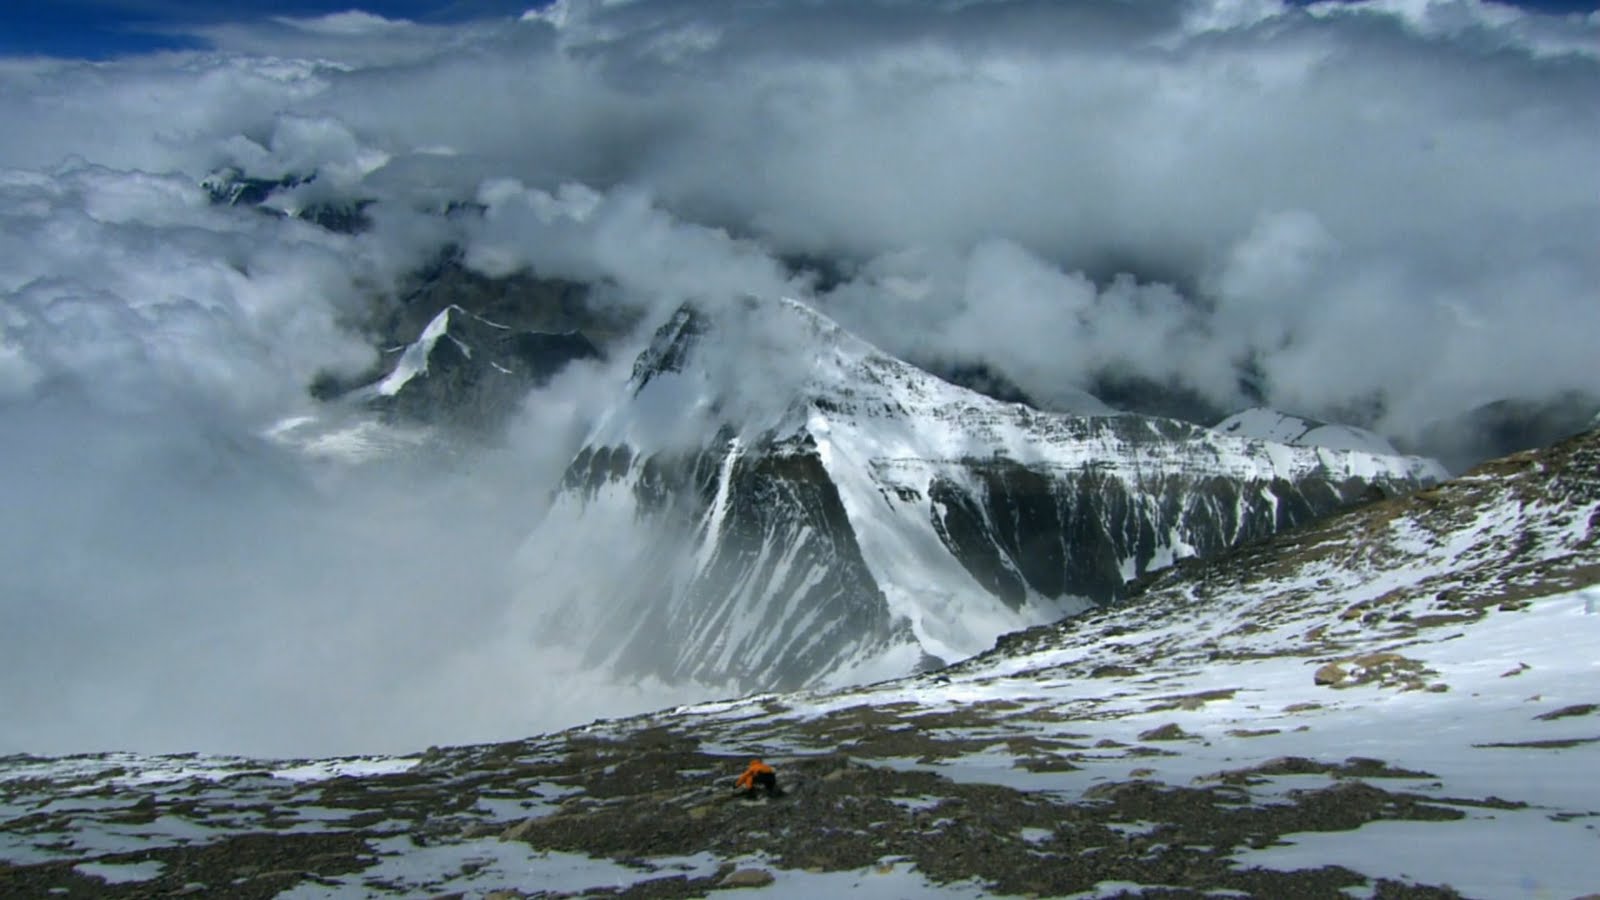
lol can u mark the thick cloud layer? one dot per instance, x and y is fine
(1355, 200)
(1385, 212)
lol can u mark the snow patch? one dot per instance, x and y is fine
(414, 361)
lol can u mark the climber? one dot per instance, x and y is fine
(758, 775)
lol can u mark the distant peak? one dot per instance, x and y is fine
(1262, 423)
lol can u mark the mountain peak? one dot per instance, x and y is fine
(779, 502)
(749, 326)
(671, 346)
(750, 366)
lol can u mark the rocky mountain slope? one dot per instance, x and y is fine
(457, 354)
(773, 502)
(1398, 701)
(470, 370)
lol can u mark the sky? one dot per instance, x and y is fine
(1382, 212)
(100, 29)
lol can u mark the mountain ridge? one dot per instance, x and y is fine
(954, 515)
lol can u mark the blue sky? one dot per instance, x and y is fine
(98, 29)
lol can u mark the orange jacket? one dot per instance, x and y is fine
(747, 781)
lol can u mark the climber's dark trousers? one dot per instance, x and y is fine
(767, 781)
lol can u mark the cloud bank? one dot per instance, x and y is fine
(1385, 212)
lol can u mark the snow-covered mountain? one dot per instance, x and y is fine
(1398, 701)
(1271, 425)
(773, 502)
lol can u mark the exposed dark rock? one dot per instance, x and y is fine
(1329, 674)
(523, 302)
(746, 878)
(671, 346)
(1167, 732)
(1577, 709)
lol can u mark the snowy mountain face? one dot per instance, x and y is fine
(1398, 701)
(775, 503)
(1271, 425)
(1512, 530)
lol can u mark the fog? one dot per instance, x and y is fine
(1382, 212)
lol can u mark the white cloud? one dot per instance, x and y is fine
(1384, 208)
(622, 237)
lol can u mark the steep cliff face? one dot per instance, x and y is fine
(775, 503)
(1019, 529)
(737, 565)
